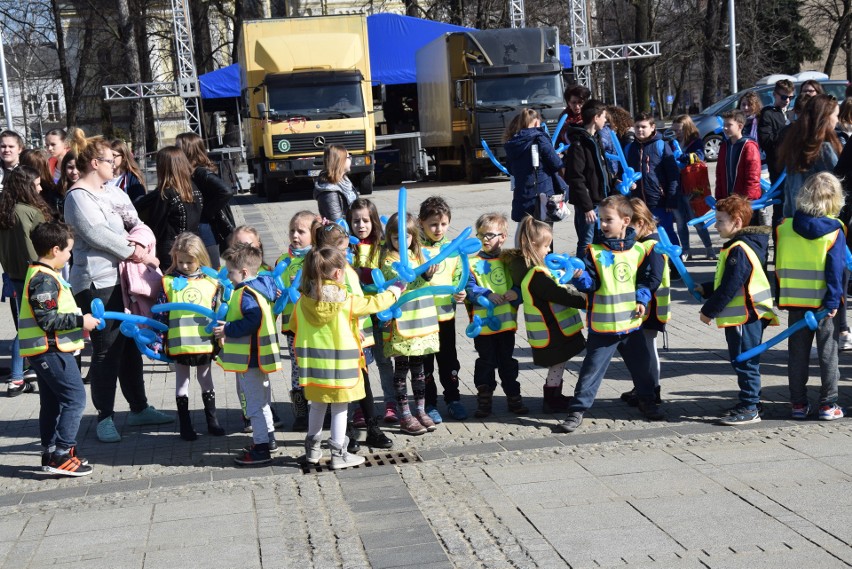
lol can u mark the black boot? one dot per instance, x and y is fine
(213, 427)
(186, 431)
(375, 437)
(352, 434)
(300, 410)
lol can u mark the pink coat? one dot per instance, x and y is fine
(141, 283)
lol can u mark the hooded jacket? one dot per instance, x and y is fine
(660, 175)
(585, 172)
(529, 181)
(811, 227)
(738, 169)
(737, 272)
(250, 322)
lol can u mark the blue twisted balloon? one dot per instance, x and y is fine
(558, 129)
(630, 176)
(213, 317)
(99, 313)
(475, 327)
(143, 337)
(288, 293)
(493, 158)
(673, 251)
(565, 264)
(222, 277)
(810, 320)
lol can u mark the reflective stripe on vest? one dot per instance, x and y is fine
(614, 303)
(419, 317)
(288, 277)
(186, 329)
(444, 303)
(800, 267)
(756, 292)
(568, 319)
(662, 295)
(32, 339)
(236, 352)
(353, 285)
(328, 356)
(492, 274)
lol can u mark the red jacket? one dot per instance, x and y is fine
(741, 176)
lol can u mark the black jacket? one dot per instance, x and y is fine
(770, 122)
(585, 173)
(168, 216)
(217, 211)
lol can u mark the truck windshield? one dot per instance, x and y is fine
(545, 90)
(335, 100)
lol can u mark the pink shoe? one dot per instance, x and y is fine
(426, 421)
(390, 413)
(358, 420)
(410, 425)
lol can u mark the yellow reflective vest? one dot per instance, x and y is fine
(614, 303)
(663, 295)
(756, 293)
(419, 317)
(236, 352)
(288, 277)
(186, 329)
(800, 267)
(353, 285)
(492, 274)
(447, 274)
(538, 334)
(33, 340)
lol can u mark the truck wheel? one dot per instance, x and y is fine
(365, 184)
(271, 189)
(472, 170)
(445, 173)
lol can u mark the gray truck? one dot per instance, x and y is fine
(470, 85)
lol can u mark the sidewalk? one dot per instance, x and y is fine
(501, 492)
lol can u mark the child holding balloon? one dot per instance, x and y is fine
(415, 333)
(187, 342)
(740, 300)
(810, 265)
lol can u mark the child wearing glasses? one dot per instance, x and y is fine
(490, 279)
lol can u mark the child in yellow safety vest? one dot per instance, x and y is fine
(301, 232)
(657, 313)
(740, 300)
(50, 329)
(415, 333)
(494, 348)
(553, 321)
(434, 220)
(365, 224)
(250, 344)
(328, 344)
(617, 280)
(809, 266)
(187, 343)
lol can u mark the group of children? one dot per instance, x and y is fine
(332, 331)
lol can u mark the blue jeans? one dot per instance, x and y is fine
(63, 399)
(665, 219)
(17, 360)
(383, 362)
(495, 355)
(741, 339)
(599, 351)
(684, 213)
(585, 231)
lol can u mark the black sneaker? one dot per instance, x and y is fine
(651, 410)
(13, 389)
(571, 423)
(741, 417)
(65, 465)
(630, 398)
(257, 454)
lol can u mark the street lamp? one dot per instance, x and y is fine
(732, 24)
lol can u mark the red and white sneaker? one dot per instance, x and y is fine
(830, 412)
(390, 413)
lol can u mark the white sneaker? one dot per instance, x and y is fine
(845, 342)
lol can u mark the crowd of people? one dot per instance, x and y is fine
(76, 225)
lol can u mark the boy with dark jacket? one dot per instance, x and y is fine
(585, 171)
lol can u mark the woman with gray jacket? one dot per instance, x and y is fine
(333, 190)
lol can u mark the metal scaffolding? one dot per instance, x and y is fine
(517, 14)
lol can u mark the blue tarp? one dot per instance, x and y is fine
(394, 41)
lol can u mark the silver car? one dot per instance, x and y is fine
(707, 123)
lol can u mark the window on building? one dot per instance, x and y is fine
(2, 107)
(33, 105)
(52, 100)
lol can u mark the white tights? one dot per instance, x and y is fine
(203, 373)
(554, 375)
(316, 415)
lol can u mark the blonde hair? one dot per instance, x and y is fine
(330, 235)
(493, 218)
(76, 140)
(522, 120)
(531, 235)
(334, 158)
(189, 243)
(392, 229)
(641, 214)
(821, 196)
(243, 256)
(319, 264)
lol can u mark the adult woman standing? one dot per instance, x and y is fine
(216, 217)
(56, 144)
(37, 159)
(101, 215)
(332, 189)
(175, 206)
(810, 145)
(128, 175)
(21, 209)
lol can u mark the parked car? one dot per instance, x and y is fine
(707, 123)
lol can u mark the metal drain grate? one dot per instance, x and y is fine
(376, 459)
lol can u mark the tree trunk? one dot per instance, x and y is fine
(146, 74)
(710, 65)
(64, 72)
(127, 35)
(844, 24)
(642, 67)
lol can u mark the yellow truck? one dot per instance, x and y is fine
(305, 85)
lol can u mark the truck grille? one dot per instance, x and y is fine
(315, 142)
(493, 135)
